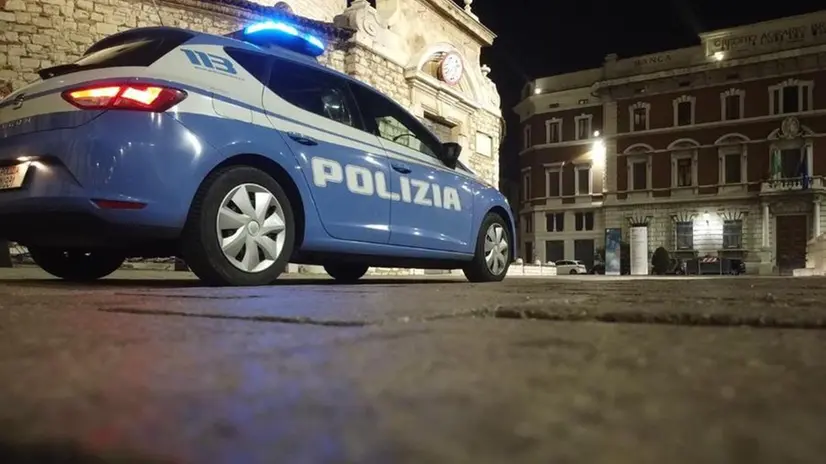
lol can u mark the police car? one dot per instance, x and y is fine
(238, 153)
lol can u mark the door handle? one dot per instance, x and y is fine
(401, 167)
(301, 138)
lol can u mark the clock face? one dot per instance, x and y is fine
(451, 69)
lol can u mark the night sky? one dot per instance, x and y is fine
(542, 37)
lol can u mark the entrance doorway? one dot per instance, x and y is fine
(584, 251)
(791, 242)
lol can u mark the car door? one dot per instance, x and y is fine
(432, 206)
(346, 168)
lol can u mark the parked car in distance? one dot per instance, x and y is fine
(570, 267)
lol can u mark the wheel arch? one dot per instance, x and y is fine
(503, 213)
(282, 176)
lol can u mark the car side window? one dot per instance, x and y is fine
(390, 122)
(314, 90)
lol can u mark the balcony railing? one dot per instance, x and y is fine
(791, 184)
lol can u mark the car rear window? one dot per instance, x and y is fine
(133, 48)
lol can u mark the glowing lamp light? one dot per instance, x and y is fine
(290, 37)
(596, 133)
(598, 153)
(537, 91)
(719, 56)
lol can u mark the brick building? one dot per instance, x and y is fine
(717, 148)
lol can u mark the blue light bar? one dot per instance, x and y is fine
(284, 35)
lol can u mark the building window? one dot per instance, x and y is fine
(684, 172)
(553, 131)
(555, 222)
(732, 104)
(584, 221)
(526, 186)
(684, 111)
(583, 126)
(554, 250)
(732, 168)
(638, 114)
(639, 175)
(553, 182)
(791, 163)
(791, 96)
(583, 180)
(685, 235)
(527, 221)
(526, 135)
(484, 144)
(733, 234)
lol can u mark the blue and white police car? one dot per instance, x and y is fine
(239, 154)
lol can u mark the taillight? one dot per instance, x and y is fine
(136, 97)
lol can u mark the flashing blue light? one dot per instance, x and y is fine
(272, 26)
(315, 48)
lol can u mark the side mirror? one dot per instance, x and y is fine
(450, 154)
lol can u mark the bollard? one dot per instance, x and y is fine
(5, 254)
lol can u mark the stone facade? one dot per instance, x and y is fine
(718, 147)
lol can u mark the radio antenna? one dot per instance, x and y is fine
(158, 11)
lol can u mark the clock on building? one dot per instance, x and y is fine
(451, 68)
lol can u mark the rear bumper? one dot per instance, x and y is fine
(120, 156)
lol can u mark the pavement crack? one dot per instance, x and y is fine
(271, 319)
(642, 317)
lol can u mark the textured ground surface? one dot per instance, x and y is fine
(570, 370)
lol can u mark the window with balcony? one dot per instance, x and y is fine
(555, 222)
(583, 180)
(553, 182)
(684, 172)
(684, 231)
(526, 186)
(732, 168)
(526, 137)
(638, 115)
(584, 221)
(791, 96)
(639, 175)
(583, 126)
(732, 102)
(527, 222)
(733, 234)
(791, 162)
(684, 111)
(553, 130)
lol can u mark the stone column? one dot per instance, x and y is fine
(639, 250)
(766, 228)
(816, 218)
(766, 266)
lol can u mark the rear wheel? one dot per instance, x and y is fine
(573, 271)
(346, 273)
(77, 265)
(493, 253)
(240, 230)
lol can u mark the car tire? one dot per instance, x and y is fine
(346, 272)
(77, 265)
(573, 271)
(493, 232)
(213, 249)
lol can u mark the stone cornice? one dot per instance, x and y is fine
(464, 20)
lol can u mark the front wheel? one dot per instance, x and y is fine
(346, 273)
(493, 254)
(573, 271)
(240, 230)
(77, 265)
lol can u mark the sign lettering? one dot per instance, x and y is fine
(362, 181)
(803, 34)
(209, 61)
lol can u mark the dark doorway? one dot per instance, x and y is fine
(584, 251)
(791, 247)
(554, 250)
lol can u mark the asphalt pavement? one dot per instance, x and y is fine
(150, 367)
